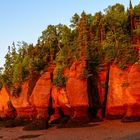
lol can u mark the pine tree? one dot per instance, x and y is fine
(83, 36)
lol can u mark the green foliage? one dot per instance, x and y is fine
(136, 10)
(103, 38)
(126, 55)
(60, 79)
(83, 36)
(137, 32)
(75, 21)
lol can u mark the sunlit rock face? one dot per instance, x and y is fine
(40, 97)
(6, 108)
(38, 94)
(133, 92)
(60, 102)
(117, 96)
(22, 103)
(76, 87)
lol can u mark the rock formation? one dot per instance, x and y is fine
(118, 91)
(6, 108)
(40, 97)
(133, 93)
(76, 87)
(117, 97)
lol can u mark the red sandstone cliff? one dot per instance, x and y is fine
(124, 93)
(40, 97)
(34, 100)
(6, 108)
(76, 87)
(117, 97)
(133, 92)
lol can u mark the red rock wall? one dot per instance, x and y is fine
(133, 92)
(40, 97)
(60, 101)
(124, 93)
(5, 109)
(123, 99)
(117, 97)
(22, 103)
(76, 87)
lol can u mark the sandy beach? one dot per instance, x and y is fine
(106, 130)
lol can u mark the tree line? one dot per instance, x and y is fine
(102, 38)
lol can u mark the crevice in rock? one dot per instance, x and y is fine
(61, 112)
(32, 83)
(50, 109)
(93, 96)
(106, 93)
(12, 110)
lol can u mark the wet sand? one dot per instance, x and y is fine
(106, 130)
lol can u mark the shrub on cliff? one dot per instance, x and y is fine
(60, 78)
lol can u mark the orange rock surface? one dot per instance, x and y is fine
(133, 103)
(60, 100)
(22, 103)
(123, 98)
(117, 97)
(40, 97)
(5, 109)
(124, 92)
(76, 87)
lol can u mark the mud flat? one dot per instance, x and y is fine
(106, 130)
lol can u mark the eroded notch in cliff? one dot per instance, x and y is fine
(94, 101)
(50, 109)
(93, 95)
(106, 93)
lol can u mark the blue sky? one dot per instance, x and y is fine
(25, 19)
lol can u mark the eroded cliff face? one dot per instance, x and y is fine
(118, 95)
(40, 97)
(76, 87)
(116, 99)
(124, 93)
(6, 108)
(22, 104)
(60, 103)
(133, 93)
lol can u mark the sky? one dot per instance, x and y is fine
(24, 20)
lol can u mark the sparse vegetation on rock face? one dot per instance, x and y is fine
(93, 64)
